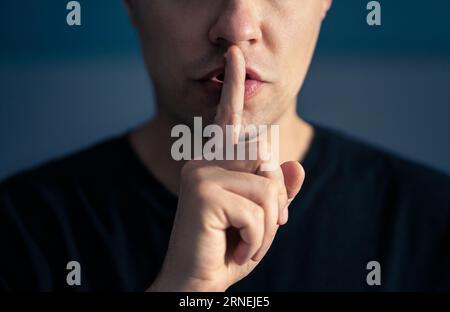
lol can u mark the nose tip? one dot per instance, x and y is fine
(236, 25)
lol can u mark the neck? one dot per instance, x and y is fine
(152, 143)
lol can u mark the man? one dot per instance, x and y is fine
(136, 219)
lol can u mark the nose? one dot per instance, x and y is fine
(237, 24)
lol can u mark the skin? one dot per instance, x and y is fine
(228, 211)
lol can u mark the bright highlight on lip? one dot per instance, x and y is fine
(213, 83)
(252, 87)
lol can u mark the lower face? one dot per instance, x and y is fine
(177, 51)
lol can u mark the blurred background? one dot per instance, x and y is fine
(65, 88)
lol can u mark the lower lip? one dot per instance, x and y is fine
(252, 88)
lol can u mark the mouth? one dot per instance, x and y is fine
(218, 75)
(214, 81)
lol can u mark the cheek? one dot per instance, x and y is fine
(296, 46)
(167, 43)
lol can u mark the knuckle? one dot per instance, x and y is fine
(204, 188)
(197, 183)
(195, 175)
(271, 189)
(258, 214)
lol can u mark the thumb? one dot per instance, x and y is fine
(294, 175)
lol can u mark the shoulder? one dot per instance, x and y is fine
(358, 161)
(398, 208)
(94, 164)
(45, 211)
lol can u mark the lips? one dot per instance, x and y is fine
(214, 81)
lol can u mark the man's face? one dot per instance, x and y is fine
(184, 42)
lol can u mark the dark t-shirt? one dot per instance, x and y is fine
(102, 208)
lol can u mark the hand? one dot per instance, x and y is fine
(228, 211)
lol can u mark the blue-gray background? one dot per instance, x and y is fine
(64, 88)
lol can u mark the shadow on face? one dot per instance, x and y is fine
(184, 42)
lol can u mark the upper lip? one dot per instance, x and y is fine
(251, 74)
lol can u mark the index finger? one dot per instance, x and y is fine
(231, 105)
